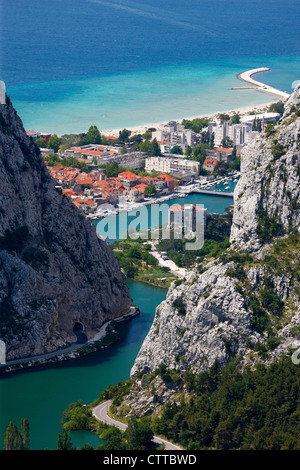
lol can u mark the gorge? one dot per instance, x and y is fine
(57, 278)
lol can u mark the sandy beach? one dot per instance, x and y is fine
(244, 76)
(241, 111)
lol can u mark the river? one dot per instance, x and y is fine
(42, 393)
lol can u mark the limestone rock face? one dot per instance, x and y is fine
(54, 271)
(269, 180)
(218, 314)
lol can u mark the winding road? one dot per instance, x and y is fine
(100, 412)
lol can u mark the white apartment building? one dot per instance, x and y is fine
(174, 134)
(171, 165)
(238, 133)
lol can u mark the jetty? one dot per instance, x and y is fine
(247, 77)
(212, 193)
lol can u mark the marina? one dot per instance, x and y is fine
(213, 187)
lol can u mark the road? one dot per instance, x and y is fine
(73, 347)
(247, 77)
(100, 413)
(168, 263)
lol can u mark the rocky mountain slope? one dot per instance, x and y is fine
(247, 302)
(54, 271)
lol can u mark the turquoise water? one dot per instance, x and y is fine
(42, 394)
(69, 64)
(146, 97)
(111, 229)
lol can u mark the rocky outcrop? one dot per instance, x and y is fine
(269, 185)
(54, 271)
(246, 303)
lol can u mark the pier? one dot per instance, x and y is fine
(247, 77)
(212, 193)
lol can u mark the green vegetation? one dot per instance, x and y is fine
(223, 408)
(227, 409)
(176, 150)
(276, 107)
(278, 149)
(267, 226)
(72, 162)
(134, 257)
(91, 137)
(150, 190)
(195, 124)
(216, 240)
(270, 130)
(267, 309)
(54, 143)
(15, 439)
(137, 436)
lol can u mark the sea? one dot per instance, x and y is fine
(69, 64)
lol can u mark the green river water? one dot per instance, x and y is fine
(42, 393)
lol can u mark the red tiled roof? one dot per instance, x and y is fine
(128, 175)
(222, 149)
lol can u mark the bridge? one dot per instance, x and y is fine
(212, 193)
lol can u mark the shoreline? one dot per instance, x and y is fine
(71, 352)
(243, 76)
(143, 128)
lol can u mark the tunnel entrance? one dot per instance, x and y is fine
(78, 330)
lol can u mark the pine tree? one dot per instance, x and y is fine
(64, 441)
(12, 437)
(24, 437)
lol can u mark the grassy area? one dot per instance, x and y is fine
(139, 264)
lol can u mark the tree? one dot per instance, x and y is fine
(112, 170)
(196, 124)
(146, 147)
(91, 137)
(15, 440)
(235, 119)
(188, 151)
(227, 142)
(224, 117)
(138, 434)
(64, 441)
(124, 135)
(276, 107)
(41, 143)
(24, 437)
(234, 152)
(150, 190)
(155, 148)
(177, 150)
(54, 143)
(11, 438)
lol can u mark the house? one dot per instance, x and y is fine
(170, 182)
(137, 192)
(128, 179)
(209, 164)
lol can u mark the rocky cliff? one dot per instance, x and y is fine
(54, 271)
(247, 302)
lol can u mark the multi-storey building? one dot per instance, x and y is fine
(171, 165)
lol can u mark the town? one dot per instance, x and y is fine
(156, 165)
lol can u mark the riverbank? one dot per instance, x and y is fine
(102, 338)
